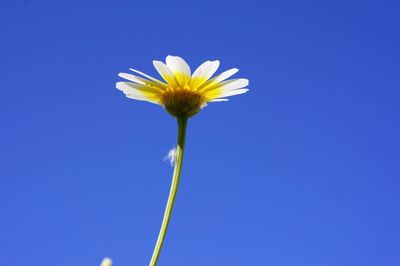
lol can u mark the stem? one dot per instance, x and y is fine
(182, 123)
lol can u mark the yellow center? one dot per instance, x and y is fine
(182, 101)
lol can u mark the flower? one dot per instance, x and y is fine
(182, 93)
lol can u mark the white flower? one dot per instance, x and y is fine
(182, 93)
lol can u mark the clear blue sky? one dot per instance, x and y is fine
(301, 171)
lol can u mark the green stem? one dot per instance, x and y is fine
(182, 123)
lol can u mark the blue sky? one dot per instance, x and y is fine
(302, 170)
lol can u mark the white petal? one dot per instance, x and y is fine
(141, 81)
(232, 92)
(219, 100)
(129, 88)
(140, 98)
(136, 86)
(149, 77)
(137, 92)
(179, 68)
(203, 73)
(207, 69)
(231, 84)
(234, 84)
(224, 75)
(221, 77)
(165, 72)
(131, 78)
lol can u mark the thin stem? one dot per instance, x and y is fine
(182, 123)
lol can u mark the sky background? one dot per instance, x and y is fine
(301, 171)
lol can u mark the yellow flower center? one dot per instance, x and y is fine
(182, 101)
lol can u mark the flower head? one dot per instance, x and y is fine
(182, 93)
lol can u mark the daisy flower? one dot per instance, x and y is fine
(182, 94)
